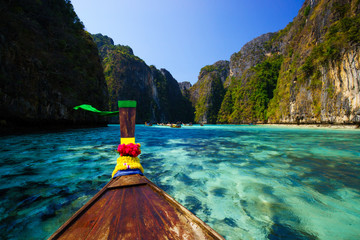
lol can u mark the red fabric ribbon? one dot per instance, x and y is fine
(131, 149)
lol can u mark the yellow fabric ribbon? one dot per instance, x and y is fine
(127, 140)
(127, 162)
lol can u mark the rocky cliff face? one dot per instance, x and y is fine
(342, 105)
(305, 73)
(185, 85)
(336, 98)
(319, 80)
(129, 78)
(179, 105)
(207, 94)
(49, 64)
(242, 89)
(250, 54)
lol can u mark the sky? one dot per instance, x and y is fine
(183, 36)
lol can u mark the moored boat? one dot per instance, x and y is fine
(148, 124)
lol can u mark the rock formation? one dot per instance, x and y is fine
(49, 64)
(319, 79)
(208, 92)
(129, 77)
(306, 73)
(184, 86)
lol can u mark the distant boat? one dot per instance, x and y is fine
(148, 124)
(175, 125)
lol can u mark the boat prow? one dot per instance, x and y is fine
(132, 207)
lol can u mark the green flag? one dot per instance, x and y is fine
(94, 110)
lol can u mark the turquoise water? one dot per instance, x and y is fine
(247, 182)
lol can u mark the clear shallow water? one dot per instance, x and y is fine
(247, 182)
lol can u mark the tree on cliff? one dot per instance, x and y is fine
(49, 64)
(129, 77)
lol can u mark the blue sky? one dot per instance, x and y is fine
(183, 36)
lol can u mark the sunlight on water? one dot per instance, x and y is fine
(247, 182)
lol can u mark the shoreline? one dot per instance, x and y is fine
(23, 130)
(290, 125)
(314, 126)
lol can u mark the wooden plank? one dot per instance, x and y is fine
(137, 209)
(126, 224)
(130, 180)
(193, 220)
(127, 118)
(84, 208)
(104, 226)
(151, 220)
(163, 212)
(89, 220)
(178, 223)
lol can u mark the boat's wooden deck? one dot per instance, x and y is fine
(132, 207)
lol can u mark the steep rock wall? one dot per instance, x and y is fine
(339, 95)
(307, 72)
(319, 79)
(250, 54)
(207, 94)
(129, 78)
(49, 64)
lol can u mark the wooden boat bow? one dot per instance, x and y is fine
(131, 206)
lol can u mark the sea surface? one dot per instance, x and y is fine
(246, 182)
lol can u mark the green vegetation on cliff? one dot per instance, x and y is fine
(306, 75)
(49, 64)
(211, 95)
(174, 103)
(129, 78)
(307, 72)
(207, 94)
(247, 98)
(125, 75)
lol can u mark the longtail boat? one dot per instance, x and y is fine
(130, 206)
(148, 124)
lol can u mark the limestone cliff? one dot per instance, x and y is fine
(208, 92)
(307, 72)
(253, 75)
(185, 88)
(129, 77)
(249, 55)
(320, 77)
(49, 64)
(244, 93)
(179, 106)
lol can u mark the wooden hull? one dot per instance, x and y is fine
(132, 207)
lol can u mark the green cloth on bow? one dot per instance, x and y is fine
(94, 110)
